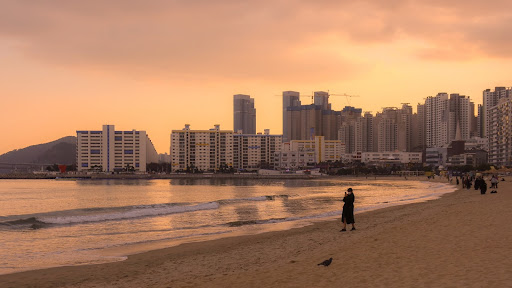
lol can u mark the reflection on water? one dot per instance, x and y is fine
(114, 182)
(79, 218)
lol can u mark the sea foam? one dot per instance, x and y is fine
(136, 212)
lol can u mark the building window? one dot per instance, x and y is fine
(128, 151)
(118, 138)
(85, 165)
(95, 151)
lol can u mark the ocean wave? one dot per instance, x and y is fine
(102, 214)
(31, 222)
(140, 211)
(257, 198)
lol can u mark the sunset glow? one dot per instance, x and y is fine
(154, 66)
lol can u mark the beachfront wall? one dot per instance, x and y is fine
(391, 157)
(202, 150)
(108, 150)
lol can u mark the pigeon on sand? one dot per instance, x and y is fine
(326, 262)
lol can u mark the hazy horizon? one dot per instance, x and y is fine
(155, 66)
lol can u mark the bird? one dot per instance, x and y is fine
(326, 262)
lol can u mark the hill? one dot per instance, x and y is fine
(61, 151)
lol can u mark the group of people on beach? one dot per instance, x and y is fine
(347, 216)
(479, 183)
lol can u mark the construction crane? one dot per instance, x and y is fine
(328, 95)
(344, 95)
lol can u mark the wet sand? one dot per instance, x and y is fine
(460, 240)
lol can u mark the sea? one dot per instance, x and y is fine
(58, 222)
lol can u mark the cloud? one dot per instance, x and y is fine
(248, 39)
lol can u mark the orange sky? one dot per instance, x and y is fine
(76, 65)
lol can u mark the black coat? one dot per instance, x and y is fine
(348, 209)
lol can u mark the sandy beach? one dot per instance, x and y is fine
(460, 240)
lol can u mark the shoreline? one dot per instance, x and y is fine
(30, 176)
(442, 242)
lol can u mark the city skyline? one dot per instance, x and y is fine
(260, 131)
(152, 67)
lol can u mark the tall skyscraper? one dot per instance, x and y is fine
(445, 116)
(480, 121)
(500, 132)
(387, 130)
(350, 132)
(436, 117)
(290, 99)
(404, 128)
(418, 129)
(490, 99)
(304, 122)
(461, 118)
(244, 114)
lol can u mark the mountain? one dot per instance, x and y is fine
(61, 151)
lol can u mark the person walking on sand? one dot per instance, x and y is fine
(347, 216)
(494, 182)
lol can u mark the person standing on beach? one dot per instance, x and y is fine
(347, 216)
(482, 185)
(494, 182)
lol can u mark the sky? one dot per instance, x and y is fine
(157, 65)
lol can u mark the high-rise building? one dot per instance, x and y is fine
(418, 129)
(350, 132)
(500, 132)
(480, 121)
(490, 99)
(460, 117)
(254, 151)
(444, 116)
(404, 128)
(204, 150)
(436, 118)
(244, 114)
(473, 131)
(364, 133)
(290, 99)
(108, 150)
(387, 130)
(304, 122)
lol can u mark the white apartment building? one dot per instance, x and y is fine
(436, 114)
(108, 150)
(205, 150)
(500, 133)
(298, 154)
(490, 99)
(254, 151)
